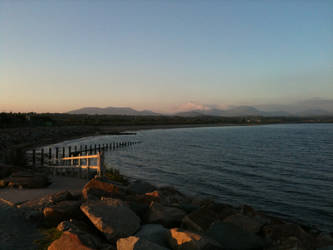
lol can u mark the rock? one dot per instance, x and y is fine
(188, 207)
(33, 210)
(82, 230)
(5, 170)
(77, 234)
(245, 222)
(167, 216)
(74, 225)
(290, 243)
(222, 210)
(136, 243)
(102, 187)
(3, 183)
(155, 233)
(280, 232)
(248, 211)
(200, 220)
(71, 241)
(324, 240)
(27, 180)
(140, 187)
(139, 204)
(233, 237)
(61, 211)
(112, 217)
(325, 248)
(185, 240)
(47, 200)
(169, 196)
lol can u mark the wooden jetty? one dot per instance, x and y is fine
(78, 160)
(80, 166)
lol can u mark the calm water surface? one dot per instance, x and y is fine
(283, 169)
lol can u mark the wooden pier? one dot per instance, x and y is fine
(80, 166)
(75, 160)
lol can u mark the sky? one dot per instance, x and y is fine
(57, 56)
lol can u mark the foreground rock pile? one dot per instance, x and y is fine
(110, 215)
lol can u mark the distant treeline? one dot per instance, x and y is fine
(15, 120)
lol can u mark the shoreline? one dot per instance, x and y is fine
(123, 129)
(53, 135)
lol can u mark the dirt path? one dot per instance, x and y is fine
(59, 183)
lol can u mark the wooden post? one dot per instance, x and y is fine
(42, 157)
(99, 147)
(101, 164)
(50, 155)
(90, 149)
(63, 152)
(80, 169)
(88, 169)
(34, 157)
(57, 154)
(69, 150)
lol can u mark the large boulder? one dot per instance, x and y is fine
(102, 187)
(222, 210)
(169, 196)
(139, 204)
(140, 187)
(280, 232)
(27, 180)
(84, 233)
(180, 239)
(61, 211)
(136, 243)
(167, 216)
(247, 223)
(233, 237)
(112, 217)
(73, 241)
(200, 220)
(155, 233)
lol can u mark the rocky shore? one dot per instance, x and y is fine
(137, 215)
(107, 214)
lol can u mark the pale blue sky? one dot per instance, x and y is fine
(61, 55)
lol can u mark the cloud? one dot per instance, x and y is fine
(192, 106)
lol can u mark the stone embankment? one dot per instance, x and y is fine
(111, 215)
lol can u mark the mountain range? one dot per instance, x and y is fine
(311, 107)
(111, 111)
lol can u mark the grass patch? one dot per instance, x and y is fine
(49, 235)
(114, 174)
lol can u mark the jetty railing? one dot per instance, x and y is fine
(83, 162)
(52, 156)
